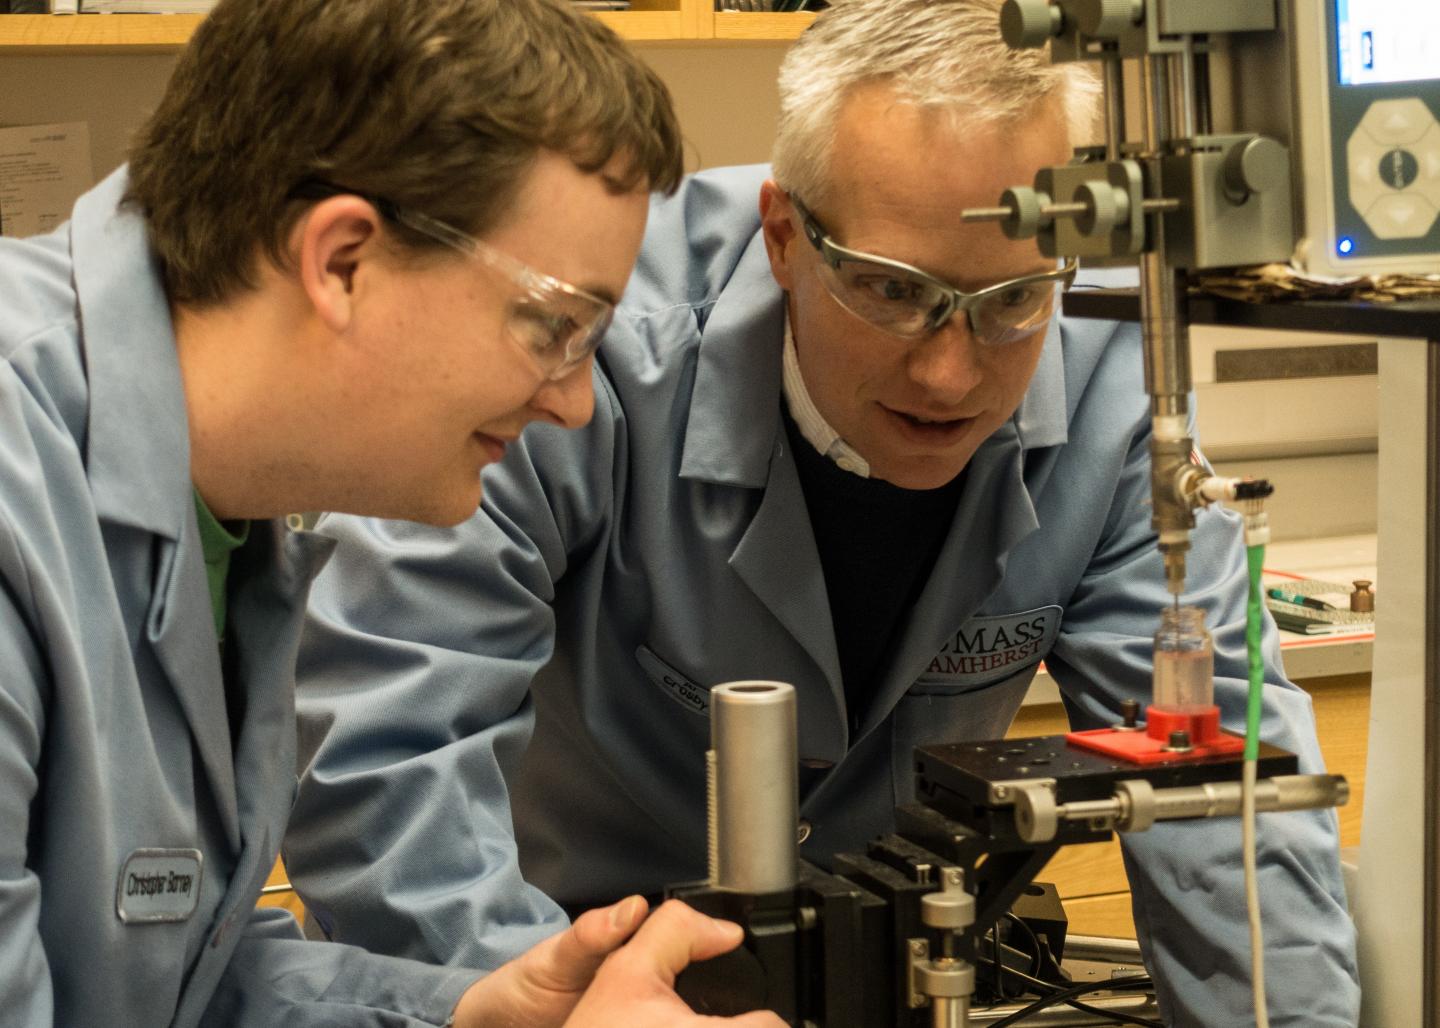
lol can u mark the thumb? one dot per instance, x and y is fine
(568, 961)
(677, 935)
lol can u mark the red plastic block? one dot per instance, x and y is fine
(1149, 743)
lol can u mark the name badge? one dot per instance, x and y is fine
(159, 885)
(688, 694)
(985, 650)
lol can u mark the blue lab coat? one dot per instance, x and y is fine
(545, 664)
(114, 731)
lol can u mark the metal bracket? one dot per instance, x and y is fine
(1003, 793)
(919, 957)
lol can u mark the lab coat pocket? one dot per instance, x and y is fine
(940, 711)
(689, 694)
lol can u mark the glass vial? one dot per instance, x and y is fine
(1184, 662)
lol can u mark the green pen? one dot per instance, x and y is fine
(1304, 601)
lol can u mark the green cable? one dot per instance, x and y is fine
(1253, 623)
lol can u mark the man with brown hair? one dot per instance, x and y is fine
(360, 245)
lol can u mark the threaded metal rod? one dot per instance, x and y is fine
(1215, 799)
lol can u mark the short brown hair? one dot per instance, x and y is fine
(439, 106)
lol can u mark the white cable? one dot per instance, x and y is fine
(1252, 893)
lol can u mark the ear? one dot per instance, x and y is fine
(331, 243)
(777, 222)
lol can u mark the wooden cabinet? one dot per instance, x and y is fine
(648, 22)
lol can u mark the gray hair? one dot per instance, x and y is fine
(941, 54)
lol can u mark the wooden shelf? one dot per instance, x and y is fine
(41, 34)
(741, 27)
(650, 22)
(646, 26)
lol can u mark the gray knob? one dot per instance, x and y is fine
(944, 978)
(1025, 217)
(1029, 24)
(1037, 817)
(1105, 208)
(952, 910)
(1139, 804)
(1257, 165)
(1106, 19)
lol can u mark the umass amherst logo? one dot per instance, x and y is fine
(988, 648)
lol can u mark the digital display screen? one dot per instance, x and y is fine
(1387, 40)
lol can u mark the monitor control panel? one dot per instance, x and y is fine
(1368, 92)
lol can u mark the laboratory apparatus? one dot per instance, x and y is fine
(1304, 131)
(892, 937)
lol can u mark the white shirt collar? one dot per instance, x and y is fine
(812, 425)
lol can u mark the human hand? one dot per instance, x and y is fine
(635, 984)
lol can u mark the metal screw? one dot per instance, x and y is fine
(1179, 740)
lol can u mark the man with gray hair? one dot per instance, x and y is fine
(842, 440)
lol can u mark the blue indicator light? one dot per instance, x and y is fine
(1346, 245)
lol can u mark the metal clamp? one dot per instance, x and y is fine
(945, 982)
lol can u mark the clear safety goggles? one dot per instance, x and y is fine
(557, 324)
(905, 301)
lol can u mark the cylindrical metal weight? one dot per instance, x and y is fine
(754, 790)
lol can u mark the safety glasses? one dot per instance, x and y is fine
(557, 324)
(905, 301)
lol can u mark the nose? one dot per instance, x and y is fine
(568, 401)
(948, 363)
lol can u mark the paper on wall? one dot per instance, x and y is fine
(43, 170)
